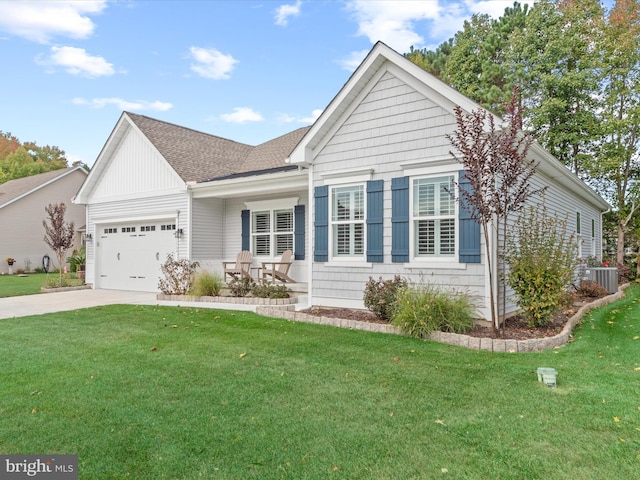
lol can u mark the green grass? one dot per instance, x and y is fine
(30, 284)
(150, 392)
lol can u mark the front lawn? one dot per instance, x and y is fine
(30, 284)
(150, 392)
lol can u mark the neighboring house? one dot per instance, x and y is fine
(22, 210)
(363, 192)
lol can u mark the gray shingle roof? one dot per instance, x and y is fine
(198, 156)
(15, 188)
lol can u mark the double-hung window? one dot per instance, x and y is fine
(272, 232)
(347, 221)
(434, 217)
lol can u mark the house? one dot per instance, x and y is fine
(22, 210)
(361, 193)
(159, 189)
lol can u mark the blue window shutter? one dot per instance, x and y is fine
(246, 229)
(321, 223)
(375, 205)
(400, 219)
(298, 219)
(469, 242)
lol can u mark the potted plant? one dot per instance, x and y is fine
(10, 262)
(77, 262)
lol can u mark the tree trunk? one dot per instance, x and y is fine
(620, 249)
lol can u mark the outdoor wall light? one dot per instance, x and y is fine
(88, 236)
(178, 233)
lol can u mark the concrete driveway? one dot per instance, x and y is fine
(11, 307)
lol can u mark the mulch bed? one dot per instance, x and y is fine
(515, 327)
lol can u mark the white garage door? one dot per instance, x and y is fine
(129, 255)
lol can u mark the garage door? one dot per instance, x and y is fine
(129, 255)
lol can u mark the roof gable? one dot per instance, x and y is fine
(383, 60)
(14, 190)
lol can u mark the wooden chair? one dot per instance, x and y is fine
(239, 269)
(278, 270)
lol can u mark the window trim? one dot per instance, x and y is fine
(449, 261)
(271, 206)
(351, 259)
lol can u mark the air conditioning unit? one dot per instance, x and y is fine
(605, 276)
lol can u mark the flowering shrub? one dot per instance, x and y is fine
(380, 295)
(178, 276)
(10, 260)
(594, 262)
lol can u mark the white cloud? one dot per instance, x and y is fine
(138, 105)
(405, 23)
(41, 20)
(77, 61)
(286, 118)
(242, 115)
(392, 22)
(283, 12)
(210, 63)
(352, 61)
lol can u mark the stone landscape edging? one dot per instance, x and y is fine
(230, 300)
(65, 289)
(461, 340)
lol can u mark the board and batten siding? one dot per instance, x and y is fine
(392, 125)
(135, 211)
(232, 232)
(148, 174)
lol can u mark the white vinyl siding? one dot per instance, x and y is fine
(149, 174)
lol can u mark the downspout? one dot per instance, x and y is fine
(310, 216)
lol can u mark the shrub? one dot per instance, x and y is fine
(589, 288)
(178, 276)
(56, 282)
(625, 274)
(240, 287)
(207, 284)
(423, 309)
(270, 290)
(542, 261)
(380, 296)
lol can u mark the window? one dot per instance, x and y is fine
(271, 232)
(578, 226)
(434, 217)
(593, 237)
(110, 230)
(128, 229)
(147, 228)
(347, 221)
(171, 226)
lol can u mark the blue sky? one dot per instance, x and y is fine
(246, 70)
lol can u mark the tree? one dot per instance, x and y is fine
(18, 160)
(557, 59)
(476, 65)
(58, 233)
(618, 161)
(499, 174)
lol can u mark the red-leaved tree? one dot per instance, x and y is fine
(499, 173)
(58, 233)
